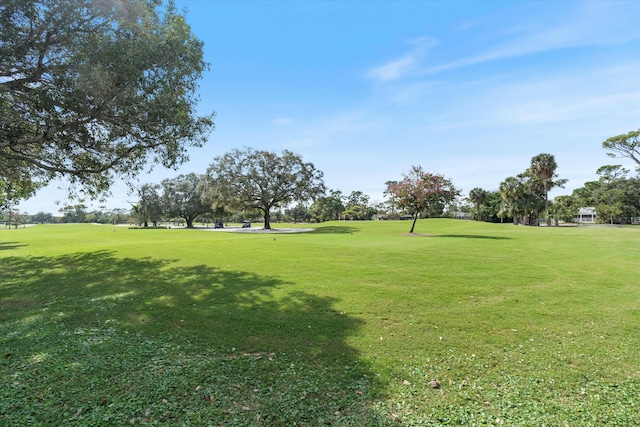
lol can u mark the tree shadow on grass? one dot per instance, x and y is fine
(92, 338)
(336, 229)
(10, 245)
(460, 236)
(473, 236)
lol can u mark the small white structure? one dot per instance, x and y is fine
(460, 215)
(585, 215)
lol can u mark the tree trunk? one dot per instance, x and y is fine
(546, 203)
(267, 220)
(189, 221)
(415, 218)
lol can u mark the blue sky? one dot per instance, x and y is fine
(366, 89)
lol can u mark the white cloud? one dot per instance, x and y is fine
(394, 69)
(589, 24)
(404, 65)
(325, 132)
(595, 23)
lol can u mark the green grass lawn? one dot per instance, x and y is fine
(346, 325)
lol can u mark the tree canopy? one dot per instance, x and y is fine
(526, 194)
(615, 197)
(91, 90)
(262, 180)
(328, 207)
(626, 145)
(149, 206)
(182, 197)
(478, 197)
(418, 191)
(543, 167)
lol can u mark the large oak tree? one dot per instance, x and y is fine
(263, 180)
(149, 206)
(182, 197)
(93, 90)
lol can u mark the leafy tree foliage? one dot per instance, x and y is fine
(181, 197)
(611, 196)
(15, 183)
(510, 190)
(478, 197)
(357, 206)
(328, 207)
(529, 199)
(615, 197)
(563, 208)
(418, 191)
(298, 213)
(526, 194)
(490, 210)
(74, 213)
(91, 90)
(263, 180)
(42, 218)
(626, 145)
(149, 206)
(13, 218)
(543, 167)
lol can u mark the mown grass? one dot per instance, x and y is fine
(342, 326)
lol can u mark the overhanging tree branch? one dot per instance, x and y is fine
(92, 90)
(627, 145)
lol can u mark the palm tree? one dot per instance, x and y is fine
(543, 167)
(509, 191)
(478, 196)
(505, 208)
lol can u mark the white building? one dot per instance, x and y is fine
(585, 215)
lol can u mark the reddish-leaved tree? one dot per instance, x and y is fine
(419, 190)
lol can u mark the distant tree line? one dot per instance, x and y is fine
(246, 183)
(265, 186)
(615, 196)
(523, 198)
(68, 214)
(198, 197)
